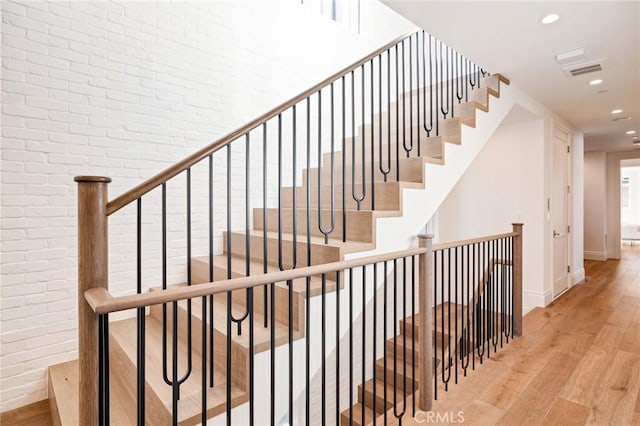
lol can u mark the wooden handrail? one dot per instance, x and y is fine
(102, 302)
(452, 244)
(162, 177)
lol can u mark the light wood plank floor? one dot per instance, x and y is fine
(578, 362)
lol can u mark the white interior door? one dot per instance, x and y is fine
(560, 211)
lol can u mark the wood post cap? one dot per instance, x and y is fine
(425, 236)
(94, 179)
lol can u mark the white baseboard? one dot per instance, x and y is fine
(595, 255)
(532, 299)
(578, 277)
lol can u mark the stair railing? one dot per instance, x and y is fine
(411, 274)
(478, 294)
(381, 110)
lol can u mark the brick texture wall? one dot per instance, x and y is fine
(124, 90)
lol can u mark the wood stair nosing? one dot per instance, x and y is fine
(158, 394)
(359, 224)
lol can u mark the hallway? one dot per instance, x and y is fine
(578, 362)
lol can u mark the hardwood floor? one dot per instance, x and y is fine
(578, 362)
(36, 414)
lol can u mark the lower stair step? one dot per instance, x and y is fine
(158, 401)
(354, 415)
(366, 395)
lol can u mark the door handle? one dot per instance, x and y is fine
(556, 234)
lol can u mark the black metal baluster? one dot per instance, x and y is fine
(443, 96)
(466, 262)
(396, 414)
(357, 198)
(344, 165)
(265, 267)
(446, 363)
(404, 101)
(324, 347)
(450, 88)
(455, 286)
(351, 346)
(308, 279)
(435, 324)
(272, 347)
(323, 231)
(418, 91)
(383, 170)
(495, 282)
(410, 99)
(249, 292)
(103, 371)
(472, 303)
(374, 335)
(373, 147)
(211, 277)
(337, 347)
(141, 342)
(397, 116)
(295, 243)
(413, 335)
(364, 335)
(384, 334)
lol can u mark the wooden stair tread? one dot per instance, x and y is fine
(261, 334)
(338, 211)
(381, 404)
(238, 268)
(189, 405)
(346, 247)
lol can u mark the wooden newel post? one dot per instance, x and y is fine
(92, 272)
(425, 325)
(517, 280)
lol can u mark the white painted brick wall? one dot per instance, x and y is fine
(125, 90)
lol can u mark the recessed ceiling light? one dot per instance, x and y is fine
(596, 82)
(635, 138)
(631, 132)
(616, 111)
(550, 18)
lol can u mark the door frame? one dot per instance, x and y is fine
(612, 231)
(569, 195)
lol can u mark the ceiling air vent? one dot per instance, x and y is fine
(584, 67)
(585, 70)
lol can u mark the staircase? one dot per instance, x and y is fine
(275, 231)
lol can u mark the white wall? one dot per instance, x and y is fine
(595, 202)
(125, 90)
(504, 185)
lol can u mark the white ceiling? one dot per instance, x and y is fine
(507, 37)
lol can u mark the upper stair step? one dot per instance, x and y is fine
(321, 252)
(388, 195)
(411, 170)
(359, 225)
